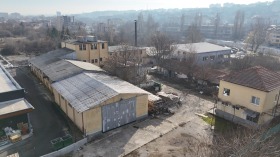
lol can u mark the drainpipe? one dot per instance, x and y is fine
(276, 105)
(233, 113)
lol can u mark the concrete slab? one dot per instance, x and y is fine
(126, 139)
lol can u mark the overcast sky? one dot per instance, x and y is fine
(49, 7)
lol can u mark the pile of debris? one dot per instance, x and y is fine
(164, 103)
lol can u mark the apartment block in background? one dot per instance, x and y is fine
(273, 35)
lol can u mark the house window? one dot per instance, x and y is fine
(80, 47)
(205, 58)
(277, 40)
(84, 61)
(226, 92)
(84, 47)
(62, 97)
(92, 61)
(255, 100)
(100, 59)
(94, 46)
(212, 57)
(96, 60)
(225, 56)
(103, 45)
(220, 56)
(141, 52)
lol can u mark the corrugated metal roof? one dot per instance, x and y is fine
(50, 57)
(116, 84)
(83, 92)
(60, 70)
(88, 90)
(57, 69)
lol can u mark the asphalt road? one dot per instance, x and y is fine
(47, 120)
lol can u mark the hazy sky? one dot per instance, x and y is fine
(49, 7)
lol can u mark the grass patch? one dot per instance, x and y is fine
(219, 123)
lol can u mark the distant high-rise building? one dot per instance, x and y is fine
(63, 21)
(15, 15)
(273, 35)
(58, 13)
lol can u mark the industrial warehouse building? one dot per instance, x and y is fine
(94, 100)
(14, 108)
(97, 102)
(205, 52)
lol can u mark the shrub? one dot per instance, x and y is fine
(8, 50)
(5, 33)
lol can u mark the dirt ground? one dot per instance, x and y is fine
(193, 138)
(18, 60)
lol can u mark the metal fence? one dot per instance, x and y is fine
(68, 149)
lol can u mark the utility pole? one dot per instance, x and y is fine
(135, 33)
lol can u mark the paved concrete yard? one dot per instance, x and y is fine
(124, 140)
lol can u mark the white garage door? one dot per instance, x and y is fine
(119, 113)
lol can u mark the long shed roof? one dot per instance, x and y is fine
(88, 90)
(50, 57)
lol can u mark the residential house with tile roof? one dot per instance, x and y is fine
(249, 97)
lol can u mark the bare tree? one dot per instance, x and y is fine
(241, 64)
(257, 36)
(162, 47)
(193, 34)
(238, 25)
(217, 21)
(126, 63)
(182, 22)
(198, 20)
(243, 142)
(193, 31)
(189, 60)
